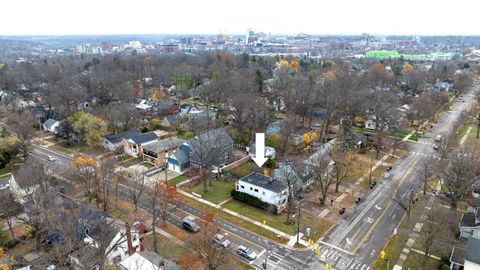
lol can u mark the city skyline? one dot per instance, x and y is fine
(214, 17)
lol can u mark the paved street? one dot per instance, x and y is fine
(350, 245)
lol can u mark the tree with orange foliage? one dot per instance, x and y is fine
(407, 68)
(295, 64)
(85, 169)
(162, 196)
(213, 256)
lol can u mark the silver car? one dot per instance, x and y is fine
(221, 240)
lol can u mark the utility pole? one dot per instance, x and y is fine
(266, 257)
(371, 167)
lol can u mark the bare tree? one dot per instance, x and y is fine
(461, 83)
(403, 199)
(137, 188)
(287, 174)
(9, 209)
(429, 235)
(213, 256)
(106, 177)
(458, 175)
(22, 126)
(343, 161)
(426, 172)
(323, 174)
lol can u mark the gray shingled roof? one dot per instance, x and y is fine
(116, 138)
(163, 145)
(181, 156)
(262, 181)
(49, 123)
(472, 251)
(469, 218)
(144, 137)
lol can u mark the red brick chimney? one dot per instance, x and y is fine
(128, 232)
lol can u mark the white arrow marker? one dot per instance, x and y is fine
(260, 158)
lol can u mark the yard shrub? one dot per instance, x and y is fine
(252, 200)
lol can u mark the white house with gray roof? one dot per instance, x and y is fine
(51, 125)
(265, 188)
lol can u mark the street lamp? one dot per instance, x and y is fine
(300, 200)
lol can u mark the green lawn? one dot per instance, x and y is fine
(5, 170)
(415, 136)
(396, 244)
(147, 165)
(275, 221)
(217, 193)
(235, 220)
(242, 170)
(415, 260)
(178, 179)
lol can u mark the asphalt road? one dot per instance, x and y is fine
(359, 237)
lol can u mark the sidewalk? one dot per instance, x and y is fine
(418, 228)
(382, 160)
(293, 238)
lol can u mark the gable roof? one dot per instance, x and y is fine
(173, 118)
(49, 123)
(23, 176)
(211, 147)
(163, 145)
(260, 180)
(181, 156)
(472, 251)
(116, 138)
(147, 260)
(143, 137)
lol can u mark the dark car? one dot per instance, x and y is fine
(190, 225)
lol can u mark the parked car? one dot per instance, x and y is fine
(190, 225)
(50, 158)
(438, 138)
(247, 253)
(221, 240)
(435, 147)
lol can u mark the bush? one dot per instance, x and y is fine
(252, 200)
(242, 137)
(185, 134)
(144, 130)
(273, 140)
(271, 163)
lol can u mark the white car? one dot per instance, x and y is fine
(246, 253)
(221, 240)
(50, 158)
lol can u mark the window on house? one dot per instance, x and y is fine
(263, 192)
(242, 187)
(251, 188)
(236, 187)
(256, 190)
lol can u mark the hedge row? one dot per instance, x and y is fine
(252, 200)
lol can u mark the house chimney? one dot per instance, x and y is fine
(128, 232)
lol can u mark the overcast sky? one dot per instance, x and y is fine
(424, 17)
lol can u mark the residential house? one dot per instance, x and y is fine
(269, 151)
(468, 258)
(285, 126)
(113, 141)
(171, 120)
(476, 189)
(470, 223)
(276, 127)
(207, 150)
(158, 152)
(51, 125)
(188, 109)
(267, 189)
(133, 145)
(296, 172)
(22, 184)
(147, 260)
(166, 107)
(201, 118)
(143, 104)
(180, 160)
